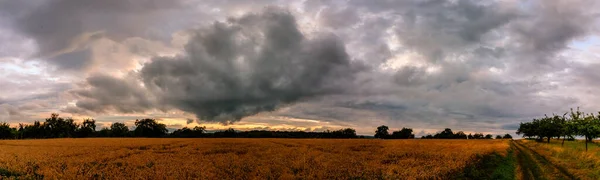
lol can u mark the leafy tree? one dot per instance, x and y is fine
(470, 136)
(382, 132)
(88, 128)
(498, 137)
(57, 127)
(587, 126)
(119, 130)
(405, 133)
(5, 131)
(478, 136)
(344, 133)
(489, 136)
(446, 134)
(149, 128)
(460, 135)
(428, 136)
(507, 136)
(104, 132)
(189, 133)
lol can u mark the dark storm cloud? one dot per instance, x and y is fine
(238, 68)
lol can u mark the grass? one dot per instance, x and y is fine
(148, 158)
(491, 166)
(571, 157)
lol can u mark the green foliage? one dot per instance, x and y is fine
(492, 166)
(578, 123)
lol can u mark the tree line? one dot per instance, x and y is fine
(567, 126)
(382, 132)
(58, 127)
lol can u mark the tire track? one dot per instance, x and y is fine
(535, 166)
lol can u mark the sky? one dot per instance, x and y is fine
(312, 65)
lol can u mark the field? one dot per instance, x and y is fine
(143, 158)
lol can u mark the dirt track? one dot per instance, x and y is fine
(532, 165)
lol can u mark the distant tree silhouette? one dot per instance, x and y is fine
(446, 134)
(470, 136)
(489, 136)
(119, 130)
(189, 133)
(507, 136)
(478, 136)
(88, 128)
(5, 131)
(104, 132)
(404, 133)
(498, 137)
(382, 132)
(57, 127)
(149, 128)
(460, 135)
(344, 133)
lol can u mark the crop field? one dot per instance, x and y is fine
(143, 158)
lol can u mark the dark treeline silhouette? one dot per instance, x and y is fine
(58, 127)
(342, 133)
(406, 133)
(567, 126)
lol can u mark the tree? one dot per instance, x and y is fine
(5, 131)
(507, 136)
(498, 137)
(149, 128)
(119, 130)
(489, 136)
(587, 126)
(104, 132)
(478, 136)
(186, 132)
(528, 129)
(405, 133)
(382, 132)
(470, 136)
(460, 135)
(57, 127)
(88, 128)
(344, 133)
(446, 134)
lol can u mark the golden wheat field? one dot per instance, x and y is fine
(141, 158)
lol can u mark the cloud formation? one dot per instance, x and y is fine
(475, 65)
(230, 70)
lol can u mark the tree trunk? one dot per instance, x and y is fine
(548, 139)
(586, 141)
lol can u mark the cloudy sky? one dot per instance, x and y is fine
(476, 66)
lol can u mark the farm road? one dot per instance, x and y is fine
(533, 166)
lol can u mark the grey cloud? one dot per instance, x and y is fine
(105, 93)
(60, 27)
(550, 25)
(250, 64)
